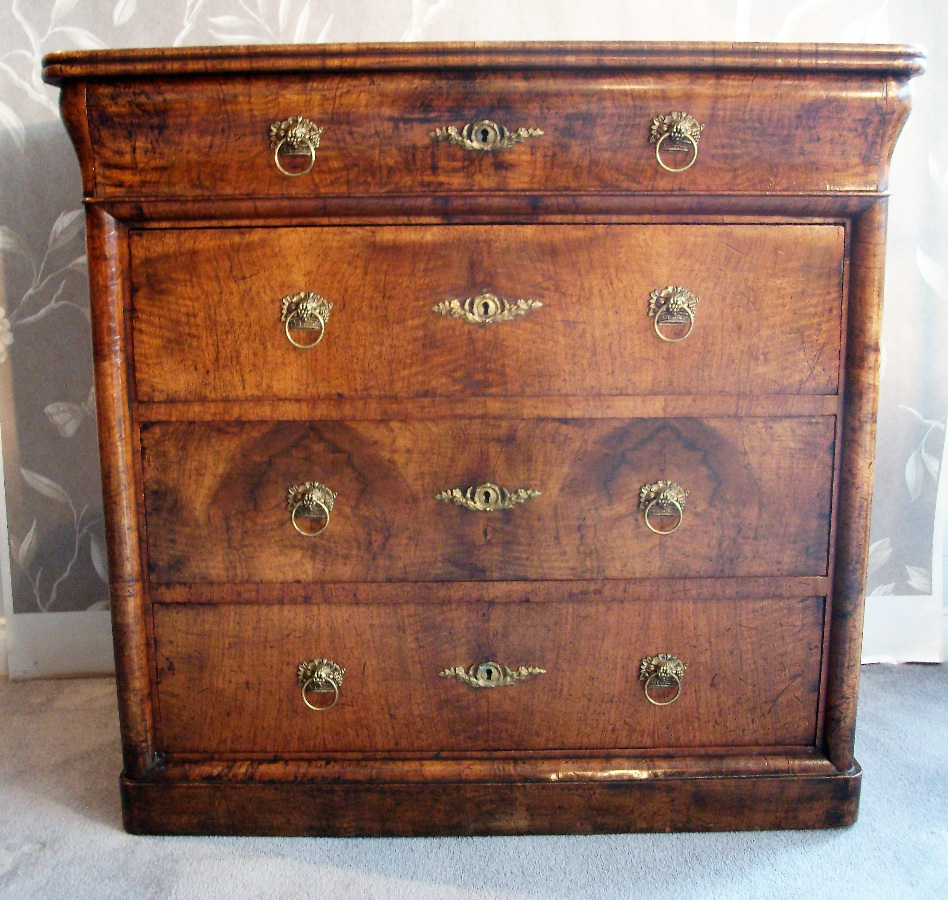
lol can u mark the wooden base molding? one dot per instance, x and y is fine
(748, 803)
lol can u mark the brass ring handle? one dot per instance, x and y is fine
(658, 153)
(673, 305)
(320, 676)
(305, 311)
(309, 168)
(681, 132)
(663, 499)
(661, 672)
(311, 501)
(295, 136)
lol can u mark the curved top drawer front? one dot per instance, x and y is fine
(211, 136)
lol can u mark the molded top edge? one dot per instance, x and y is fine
(903, 61)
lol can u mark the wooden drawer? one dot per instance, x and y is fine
(227, 674)
(767, 320)
(216, 499)
(377, 133)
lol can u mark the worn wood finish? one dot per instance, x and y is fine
(635, 406)
(747, 803)
(767, 321)
(216, 498)
(752, 679)
(118, 447)
(378, 125)
(765, 413)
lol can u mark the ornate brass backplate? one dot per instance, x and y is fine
(661, 672)
(320, 676)
(295, 136)
(483, 135)
(486, 497)
(674, 306)
(490, 674)
(676, 132)
(485, 308)
(310, 500)
(305, 311)
(662, 499)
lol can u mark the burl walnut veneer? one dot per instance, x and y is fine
(486, 430)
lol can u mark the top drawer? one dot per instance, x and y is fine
(210, 136)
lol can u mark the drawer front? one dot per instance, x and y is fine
(767, 318)
(758, 503)
(211, 136)
(227, 674)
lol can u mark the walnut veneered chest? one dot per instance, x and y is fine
(486, 429)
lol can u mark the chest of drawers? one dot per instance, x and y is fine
(486, 429)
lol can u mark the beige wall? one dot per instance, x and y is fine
(52, 489)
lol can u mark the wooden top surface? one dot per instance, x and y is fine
(902, 61)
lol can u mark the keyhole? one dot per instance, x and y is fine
(485, 134)
(485, 306)
(486, 498)
(489, 675)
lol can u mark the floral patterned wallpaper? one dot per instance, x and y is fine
(48, 426)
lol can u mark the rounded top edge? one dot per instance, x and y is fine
(905, 61)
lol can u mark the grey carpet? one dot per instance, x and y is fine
(61, 837)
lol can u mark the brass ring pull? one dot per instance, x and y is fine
(663, 500)
(681, 132)
(295, 136)
(305, 311)
(672, 306)
(490, 674)
(661, 673)
(486, 497)
(320, 676)
(310, 501)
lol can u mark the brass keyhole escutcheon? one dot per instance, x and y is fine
(491, 674)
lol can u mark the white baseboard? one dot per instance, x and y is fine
(59, 644)
(903, 629)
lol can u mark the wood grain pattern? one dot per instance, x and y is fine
(768, 318)
(154, 139)
(649, 56)
(402, 810)
(215, 496)
(765, 414)
(752, 677)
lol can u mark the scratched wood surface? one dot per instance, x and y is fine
(209, 136)
(759, 502)
(767, 319)
(765, 414)
(227, 675)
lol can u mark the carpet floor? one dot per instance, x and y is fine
(61, 834)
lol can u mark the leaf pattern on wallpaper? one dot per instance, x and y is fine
(45, 267)
(871, 28)
(919, 579)
(933, 272)
(53, 274)
(922, 459)
(45, 584)
(256, 25)
(424, 13)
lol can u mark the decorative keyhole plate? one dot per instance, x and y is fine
(485, 308)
